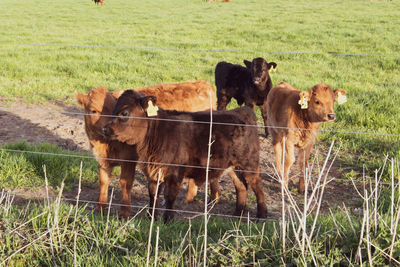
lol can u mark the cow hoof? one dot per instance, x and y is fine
(149, 214)
(213, 201)
(301, 189)
(100, 208)
(124, 214)
(168, 216)
(262, 213)
(188, 200)
(239, 212)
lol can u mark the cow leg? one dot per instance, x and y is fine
(289, 159)
(126, 182)
(222, 101)
(263, 109)
(254, 180)
(278, 161)
(215, 191)
(152, 187)
(104, 178)
(172, 186)
(304, 155)
(241, 192)
(191, 191)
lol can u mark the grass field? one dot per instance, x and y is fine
(54, 232)
(142, 43)
(51, 49)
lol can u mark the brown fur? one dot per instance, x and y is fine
(299, 126)
(185, 96)
(101, 102)
(169, 141)
(98, 2)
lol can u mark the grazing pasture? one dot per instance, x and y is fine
(49, 50)
(135, 44)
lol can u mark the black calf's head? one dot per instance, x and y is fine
(259, 69)
(130, 125)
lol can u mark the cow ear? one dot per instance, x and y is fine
(148, 104)
(306, 94)
(82, 99)
(272, 65)
(340, 96)
(117, 93)
(247, 63)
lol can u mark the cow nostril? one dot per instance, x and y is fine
(104, 130)
(331, 116)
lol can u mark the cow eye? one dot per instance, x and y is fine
(317, 102)
(124, 114)
(93, 111)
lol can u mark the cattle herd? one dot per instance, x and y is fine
(166, 128)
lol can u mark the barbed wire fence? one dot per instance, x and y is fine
(191, 213)
(90, 157)
(201, 49)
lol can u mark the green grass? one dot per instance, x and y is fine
(95, 240)
(25, 170)
(152, 30)
(41, 73)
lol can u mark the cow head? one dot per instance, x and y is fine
(319, 102)
(130, 123)
(259, 69)
(98, 105)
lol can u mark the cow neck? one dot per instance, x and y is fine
(147, 146)
(100, 144)
(304, 121)
(262, 89)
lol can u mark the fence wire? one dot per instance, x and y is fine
(202, 122)
(269, 174)
(145, 207)
(200, 49)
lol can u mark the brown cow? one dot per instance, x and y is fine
(189, 95)
(98, 2)
(183, 96)
(297, 116)
(179, 149)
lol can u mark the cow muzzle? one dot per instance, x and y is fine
(107, 131)
(331, 116)
(257, 81)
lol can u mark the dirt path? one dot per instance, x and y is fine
(44, 123)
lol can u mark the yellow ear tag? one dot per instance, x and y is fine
(341, 98)
(151, 110)
(303, 102)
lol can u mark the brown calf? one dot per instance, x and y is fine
(297, 115)
(177, 149)
(101, 102)
(98, 2)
